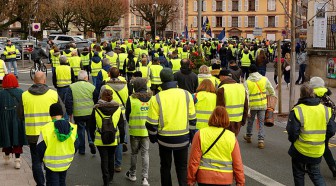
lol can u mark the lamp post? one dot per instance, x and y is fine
(155, 7)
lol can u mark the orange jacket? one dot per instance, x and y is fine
(213, 177)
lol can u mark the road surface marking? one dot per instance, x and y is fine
(260, 177)
(332, 145)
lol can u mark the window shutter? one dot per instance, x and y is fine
(269, 4)
(223, 21)
(246, 21)
(240, 5)
(239, 21)
(256, 21)
(273, 4)
(213, 24)
(230, 5)
(204, 6)
(224, 6)
(276, 21)
(266, 21)
(214, 6)
(229, 21)
(256, 5)
(195, 22)
(195, 6)
(246, 5)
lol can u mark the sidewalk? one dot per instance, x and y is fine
(10, 176)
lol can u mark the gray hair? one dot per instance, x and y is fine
(63, 60)
(204, 69)
(82, 74)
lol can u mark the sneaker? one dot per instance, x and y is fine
(17, 163)
(125, 149)
(261, 145)
(144, 182)
(92, 148)
(6, 158)
(130, 177)
(117, 169)
(247, 139)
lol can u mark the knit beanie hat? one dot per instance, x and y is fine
(253, 68)
(139, 84)
(10, 81)
(166, 75)
(316, 82)
(55, 110)
(106, 62)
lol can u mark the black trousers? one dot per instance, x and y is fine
(107, 162)
(181, 163)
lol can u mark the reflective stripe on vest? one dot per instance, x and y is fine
(82, 93)
(257, 98)
(75, 64)
(219, 158)
(63, 75)
(137, 117)
(206, 103)
(8, 49)
(85, 59)
(95, 68)
(245, 60)
(155, 74)
(123, 94)
(113, 59)
(176, 65)
(37, 114)
(55, 159)
(2, 70)
(122, 58)
(234, 96)
(211, 78)
(311, 141)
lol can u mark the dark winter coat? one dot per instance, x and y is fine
(186, 79)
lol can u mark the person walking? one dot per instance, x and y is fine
(96, 66)
(12, 128)
(36, 115)
(136, 113)
(309, 124)
(246, 62)
(170, 114)
(75, 63)
(85, 58)
(324, 94)
(258, 87)
(209, 164)
(154, 74)
(186, 78)
(261, 62)
(204, 73)
(233, 97)
(235, 71)
(10, 53)
(57, 145)
(82, 95)
(286, 69)
(302, 61)
(107, 108)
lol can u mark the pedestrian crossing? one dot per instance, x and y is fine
(27, 71)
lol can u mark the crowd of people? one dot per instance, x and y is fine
(145, 91)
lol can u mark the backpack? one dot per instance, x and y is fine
(107, 131)
(131, 64)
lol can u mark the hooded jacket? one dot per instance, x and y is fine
(186, 79)
(143, 96)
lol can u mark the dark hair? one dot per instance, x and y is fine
(106, 95)
(253, 68)
(114, 72)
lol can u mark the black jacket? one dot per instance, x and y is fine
(186, 79)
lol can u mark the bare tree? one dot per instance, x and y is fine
(161, 11)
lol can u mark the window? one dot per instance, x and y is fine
(251, 21)
(219, 6)
(132, 19)
(271, 21)
(234, 21)
(271, 5)
(137, 20)
(235, 5)
(219, 22)
(251, 5)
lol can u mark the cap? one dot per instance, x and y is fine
(316, 82)
(225, 73)
(166, 75)
(55, 110)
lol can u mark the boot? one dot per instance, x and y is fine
(6, 158)
(17, 163)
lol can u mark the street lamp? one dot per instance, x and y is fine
(155, 6)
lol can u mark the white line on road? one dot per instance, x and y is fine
(260, 177)
(28, 84)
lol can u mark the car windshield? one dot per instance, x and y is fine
(77, 39)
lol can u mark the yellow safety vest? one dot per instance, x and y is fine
(270, 49)
(320, 91)
(219, 157)
(171, 115)
(113, 59)
(99, 122)
(75, 64)
(135, 61)
(155, 74)
(68, 55)
(157, 46)
(58, 155)
(137, 52)
(2, 69)
(314, 120)
(55, 60)
(252, 54)
(176, 65)
(234, 95)
(213, 79)
(257, 93)
(95, 68)
(145, 74)
(37, 114)
(184, 55)
(63, 75)
(85, 59)
(206, 103)
(8, 49)
(122, 58)
(82, 93)
(113, 45)
(137, 118)
(245, 60)
(123, 94)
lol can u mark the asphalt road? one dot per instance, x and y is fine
(269, 166)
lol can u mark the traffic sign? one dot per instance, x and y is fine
(36, 27)
(257, 31)
(283, 33)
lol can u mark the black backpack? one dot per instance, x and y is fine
(107, 130)
(131, 64)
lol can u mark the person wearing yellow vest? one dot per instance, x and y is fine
(67, 51)
(103, 74)
(136, 113)
(130, 65)
(154, 74)
(309, 124)
(145, 71)
(96, 66)
(10, 52)
(55, 55)
(246, 61)
(175, 62)
(258, 87)
(122, 58)
(112, 56)
(82, 95)
(75, 63)
(205, 102)
(106, 108)
(233, 97)
(204, 73)
(221, 163)
(57, 145)
(36, 115)
(92, 45)
(85, 57)
(171, 114)
(324, 94)
(3, 71)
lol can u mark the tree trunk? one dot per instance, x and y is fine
(152, 32)
(99, 35)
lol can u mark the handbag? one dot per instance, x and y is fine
(271, 103)
(220, 135)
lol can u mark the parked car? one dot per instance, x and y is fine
(24, 44)
(65, 38)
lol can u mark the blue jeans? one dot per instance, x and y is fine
(55, 178)
(118, 155)
(261, 117)
(81, 128)
(36, 165)
(313, 170)
(94, 80)
(302, 71)
(10, 65)
(262, 71)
